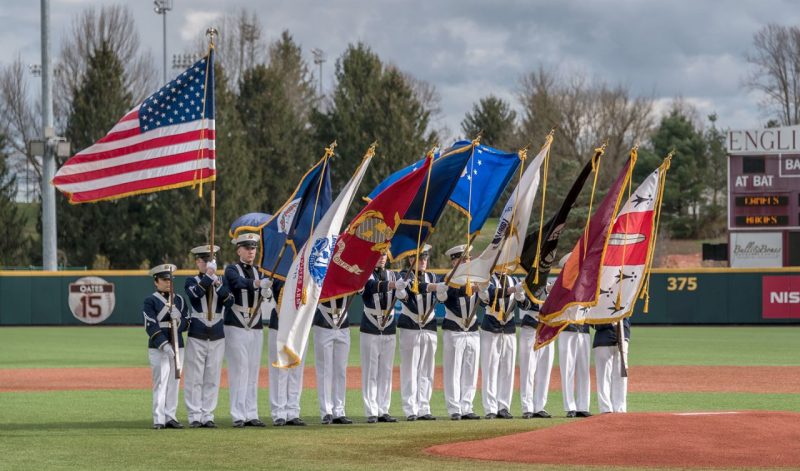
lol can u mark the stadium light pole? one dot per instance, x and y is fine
(319, 58)
(161, 8)
(49, 243)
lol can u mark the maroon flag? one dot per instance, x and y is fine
(578, 283)
(359, 247)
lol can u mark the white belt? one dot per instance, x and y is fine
(500, 318)
(243, 314)
(199, 316)
(375, 316)
(458, 320)
(165, 325)
(415, 317)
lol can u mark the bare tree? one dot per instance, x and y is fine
(114, 27)
(777, 71)
(21, 121)
(240, 45)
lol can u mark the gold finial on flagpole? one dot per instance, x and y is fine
(212, 33)
(329, 150)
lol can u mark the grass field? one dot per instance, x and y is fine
(109, 429)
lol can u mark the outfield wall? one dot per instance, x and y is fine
(699, 296)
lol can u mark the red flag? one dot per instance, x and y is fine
(165, 142)
(359, 247)
(577, 284)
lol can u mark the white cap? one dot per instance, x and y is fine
(455, 252)
(248, 239)
(163, 271)
(201, 250)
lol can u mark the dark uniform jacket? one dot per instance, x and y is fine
(378, 298)
(239, 279)
(417, 305)
(157, 318)
(500, 305)
(197, 289)
(606, 334)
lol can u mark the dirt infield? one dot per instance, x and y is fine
(735, 439)
(770, 379)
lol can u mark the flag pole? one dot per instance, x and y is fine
(596, 170)
(645, 294)
(470, 237)
(415, 286)
(541, 215)
(211, 33)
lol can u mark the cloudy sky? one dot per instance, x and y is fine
(693, 49)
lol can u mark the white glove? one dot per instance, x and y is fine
(441, 289)
(442, 297)
(400, 285)
(519, 296)
(167, 350)
(400, 294)
(484, 294)
(212, 265)
(266, 283)
(266, 293)
(174, 314)
(211, 275)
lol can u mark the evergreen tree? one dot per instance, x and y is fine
(685, 199)
(103, 234)
(14, 245)
(494, 118)
(275, 104)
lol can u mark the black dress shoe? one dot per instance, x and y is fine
(504, 414)
(254, 423)
(342, 421)
(583, 413)
(527, 415)
(372, 419)
(195, 424)
(387, 418)
(455, 416)
(427, 417)
(490, 416)
(571, 414)
(172, 423)
(279, 422)
(542, 414)
(297, 422)
(471, 416)
(238, 424)
(158, 426)
(210, 424)
(411, 418)
(327, 419)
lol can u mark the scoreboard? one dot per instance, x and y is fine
(764, 196)
(764, 179)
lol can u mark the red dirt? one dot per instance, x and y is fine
(769, 379)
(738, 439)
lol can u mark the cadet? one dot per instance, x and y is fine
(499, 344)
(573, 361)
(244, 337)
(612, 388)
(378, 341)
(205, 345)
(160, 309)
(285, 384)
(331, 351)
(535, 367)
(462, 345)
(417, 325)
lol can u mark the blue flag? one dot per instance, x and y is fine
(445, 172)
(488, 172)
(250, 222)
(286, 232)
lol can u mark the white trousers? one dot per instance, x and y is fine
(377, 362)
(612, 389)
(498, 358)
(573, 360)
(165, 386)
(202, 368)
(417, 363)
(285, 384)
(534, 371)
(461, 354)
(331, 350)
(243, 352)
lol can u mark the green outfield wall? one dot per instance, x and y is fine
(699, 296)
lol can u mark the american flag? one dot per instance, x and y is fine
(166, 142)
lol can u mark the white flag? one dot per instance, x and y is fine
(479, 270)
(626, 256)
(304, 282)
